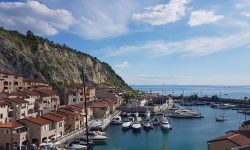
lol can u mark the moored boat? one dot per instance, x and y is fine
(165, 123)
(136, 126)
(117, 120)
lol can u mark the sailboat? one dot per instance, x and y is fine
(220, 118)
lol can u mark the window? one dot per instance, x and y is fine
(45, 128)
(7, 131)
(1, 116)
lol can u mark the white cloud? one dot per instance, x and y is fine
(203, 17)
(246, 14)
(200, 46)
(243, 4)
(122, 65)
(162, 14)
(34, 16)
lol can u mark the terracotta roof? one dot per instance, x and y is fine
(30, 93)
(67, 112)
(52, 118)
(34, 80)
(79, 105)
(19, 94)
(235, 138)
(37, 120)
(99, 104)
(11, 125)
(3, 103)
(8, 72)
(72, 107)
(16, 100)
(54, 113)
(239, 139)
(45, 91)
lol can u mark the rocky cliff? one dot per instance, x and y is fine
(60, 65)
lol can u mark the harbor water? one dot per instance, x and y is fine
(187, 134)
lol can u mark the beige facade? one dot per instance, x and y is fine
(4, 109)
(39, 129)
(10, 81)
(18, 108)
(14, 133)
(221, 145)
(49, 101)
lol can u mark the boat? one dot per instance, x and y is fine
(123, 114)
(147, 115)
(75, 145)
(99, 132)
(94, 136)
(116, 120)
(147, 125)
(44, 146)
(126, 124)
(164, 123)
(156, 121)
(136, 126)
(220, 118)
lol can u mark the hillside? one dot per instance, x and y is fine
(60, 65)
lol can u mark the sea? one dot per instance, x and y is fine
(186, 134)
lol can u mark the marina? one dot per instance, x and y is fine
(190, 134)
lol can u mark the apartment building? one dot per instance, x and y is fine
(100, 109)
(35, 84)
(4, 109)
(49, 101)
(18, 108)
(10, 81)
(58, 122)
(39, 129)
(14, 133)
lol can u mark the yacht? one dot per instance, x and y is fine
(136, 126)
(147, 125)
(220, 118)
(75, 145)
(94, 136)
(117, 120)
(147, 115)
(156, 121)
(126, 124)
(164, 123)
(99, 132)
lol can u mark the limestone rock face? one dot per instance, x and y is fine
(35, 57)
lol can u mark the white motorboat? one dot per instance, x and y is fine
(99, 132)
(126, 125)
(75, 145)
(147, 124)
(164, 123)
(136, 126)
(156, 121)
(44, 146)
(94, 136)
(117, 120)
(220, 118)
(147, 115)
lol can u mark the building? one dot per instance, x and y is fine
(14, 133)
(232, 139)
(100, 109)
(4, 109)
(35, 84)
(49, 101)
(18, 108)
(10, 81)
(39, 129)
(58, 122)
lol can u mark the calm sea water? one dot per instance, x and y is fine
(186, 134)
(235, 92)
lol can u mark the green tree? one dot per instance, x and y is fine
(32, 41)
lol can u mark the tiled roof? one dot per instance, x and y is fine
(45, 91)
(54, 113)
(10, 125)
(16, 100)
(52, 118)
(72, 107)
(8, 72)
(237, 138)
(99, 104)
(19, 94)
(33, 80)
(30, 93)
(3, 103)
(37, 120)
(67, 112)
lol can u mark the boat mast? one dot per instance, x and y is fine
(85, 108)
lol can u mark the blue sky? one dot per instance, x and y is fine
(147, 42)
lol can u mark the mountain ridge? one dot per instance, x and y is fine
(58, 64)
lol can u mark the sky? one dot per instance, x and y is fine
(176, 42)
